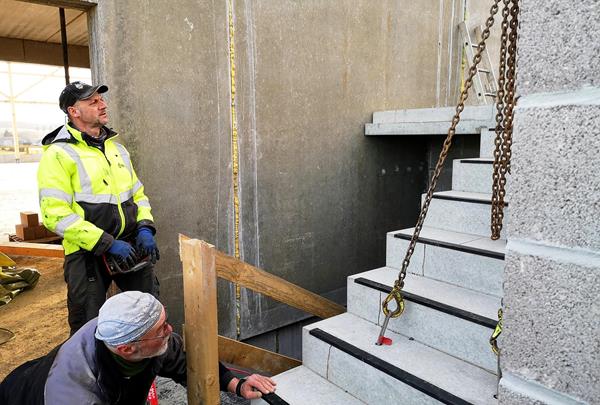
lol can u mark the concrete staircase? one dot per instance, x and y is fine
(440, 351)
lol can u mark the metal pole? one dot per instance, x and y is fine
(65, 45)
(11, 97)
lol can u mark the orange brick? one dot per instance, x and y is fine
(39, 231)
(25, 233)
(29, 219)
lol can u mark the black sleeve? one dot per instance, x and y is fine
(174, 365)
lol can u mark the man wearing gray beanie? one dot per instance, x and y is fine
(113, 359)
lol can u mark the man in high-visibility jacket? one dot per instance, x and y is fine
(91, 196)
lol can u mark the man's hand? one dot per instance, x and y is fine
(256, 385)
(146, 244)
(124, 252)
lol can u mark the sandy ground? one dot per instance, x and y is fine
(18, 192)
(37, 317)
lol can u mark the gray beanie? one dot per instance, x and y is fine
(126, 317)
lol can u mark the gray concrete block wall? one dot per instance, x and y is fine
(556, 198)
(550, 339)
(567, 59)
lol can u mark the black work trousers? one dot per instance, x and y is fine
(87, 283)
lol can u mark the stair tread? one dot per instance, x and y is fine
(470, 383)
(301, 385)
(466, 195)
(457, 238)
(474, 302)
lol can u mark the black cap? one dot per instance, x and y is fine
(78, 91)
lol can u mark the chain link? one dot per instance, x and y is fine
(504, 118)
(395, 294)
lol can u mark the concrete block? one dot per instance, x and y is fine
(388, 390)
(566, 59)
(316, 354)
(551, 319)
(472, 271)
(474, 175)
(461, 212)
(444, 114)
(425, 128)
(456, 377)
(395, 252)
(459, 337)
(554, 188)
(366, 302)
(486, 144)
(300, 386)
(518, 391)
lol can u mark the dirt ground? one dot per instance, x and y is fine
(37, 317)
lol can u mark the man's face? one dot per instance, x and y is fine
(155, 342)
(92, 112)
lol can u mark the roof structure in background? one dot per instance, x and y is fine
(31, 33)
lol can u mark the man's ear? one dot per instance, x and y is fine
(126, 349)
(74, 112)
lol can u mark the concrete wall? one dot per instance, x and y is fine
(550, 345)
(317, 197)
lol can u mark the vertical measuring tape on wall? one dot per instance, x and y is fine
(235, 165)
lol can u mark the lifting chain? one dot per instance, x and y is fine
(396, 294)
(505, 103)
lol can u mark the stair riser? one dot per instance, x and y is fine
(458, 337)
(468, 270)
(473, 177)
(487, 146)
(461, 216)
(357, 378)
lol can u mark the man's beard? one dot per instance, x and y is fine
(143, 354)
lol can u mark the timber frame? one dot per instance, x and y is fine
(202, 264)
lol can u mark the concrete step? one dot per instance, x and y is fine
(471, 261)
(474, 175)
(462, 211)
(300, 386)
(451, 319)
(342, 350)
(430, 121)
(487, 145)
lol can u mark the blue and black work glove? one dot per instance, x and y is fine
(146, 244)
(124, 252)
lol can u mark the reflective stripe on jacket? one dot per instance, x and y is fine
(89, 197)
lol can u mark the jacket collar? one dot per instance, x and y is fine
(70, 134)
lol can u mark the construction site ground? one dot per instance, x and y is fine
(37, 317)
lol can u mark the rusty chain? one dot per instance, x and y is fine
(395, 294)
(504, 118)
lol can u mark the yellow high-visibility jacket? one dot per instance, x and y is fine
(89, 196)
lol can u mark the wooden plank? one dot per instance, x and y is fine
(200, 307)
(252, 357)
(272, 286)
(32, 249)
(248, 276)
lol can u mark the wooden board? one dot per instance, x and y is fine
(272, 286)
(37, 317)
(32, 249)
(200, 307)
(252, 357)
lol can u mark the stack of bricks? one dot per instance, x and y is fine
(30, 227)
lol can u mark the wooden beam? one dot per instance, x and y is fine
(252, 357)
(46, 53)
(32, 249)
(272, 286)
(248, 276)
(200, 307)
